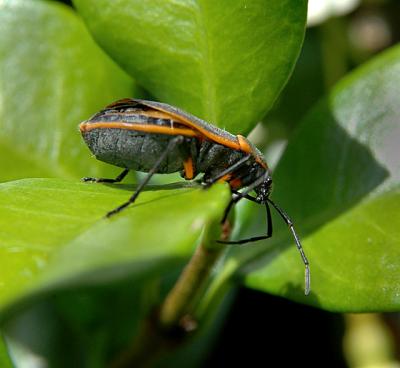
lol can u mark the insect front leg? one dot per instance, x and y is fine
(237, 196)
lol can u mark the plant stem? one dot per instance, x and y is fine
(218, 286)
(175, 319)
(147, 346)
(177, 305)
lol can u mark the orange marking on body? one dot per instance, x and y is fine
(206, 133)
(148, 128)
(244, 144)
(211, 136)
(261, 161)
(194, 130)
(247, 148)
(188, 168)
(236, 183)
(225, 178)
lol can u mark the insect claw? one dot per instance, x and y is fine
(111, 213)
(86, 179)
(205, 184)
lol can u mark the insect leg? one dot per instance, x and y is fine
(171, 145)
(289, 223)
(254, 238)
(227, 171)
(244, 194)
(247, 196)
(239, 196)
(105, 180)
(187, 153)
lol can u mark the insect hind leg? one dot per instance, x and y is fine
(171, 145)
(118, 179)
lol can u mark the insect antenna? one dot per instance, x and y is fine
(289, 223)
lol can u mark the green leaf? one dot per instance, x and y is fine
(53, 233)
(52, 76)
(5, 361)
(224, 61)
(339, 180)
(85, 327)
(91, 325)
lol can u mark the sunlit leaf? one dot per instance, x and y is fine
(52, 76)
(53, 232)
(339, 180)
(224, 61)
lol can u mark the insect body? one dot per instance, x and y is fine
(158, 138)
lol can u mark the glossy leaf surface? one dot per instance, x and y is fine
(68, 242)
(339, 180)
(52, 76)
(224, 61)
(5, 360)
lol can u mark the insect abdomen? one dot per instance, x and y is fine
(132, 149)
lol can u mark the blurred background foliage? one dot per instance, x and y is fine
(341, 35)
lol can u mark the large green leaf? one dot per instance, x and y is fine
(339, 179)
(225, 61)
(5, 361)
(52, 76)
(88, 326)
(80, 327)
(53, 234)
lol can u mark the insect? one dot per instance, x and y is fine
(154, 137)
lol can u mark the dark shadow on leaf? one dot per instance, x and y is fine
(325, 171)
(92, 316)
(134, 271)
(296, 292)
(152, 187)
(160, 188)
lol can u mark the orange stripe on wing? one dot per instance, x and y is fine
(148, 128)
(246, 147)
(187, 122)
